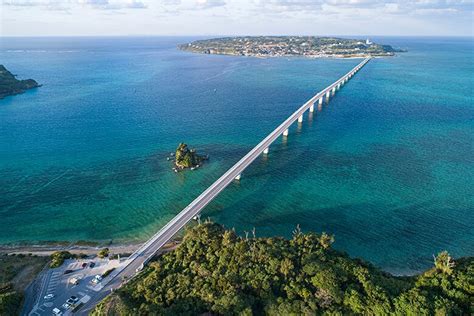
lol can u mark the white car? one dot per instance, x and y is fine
(48, 297)
(57, 311)
(66, 306)
(97, 279)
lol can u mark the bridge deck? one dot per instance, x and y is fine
(157, 241)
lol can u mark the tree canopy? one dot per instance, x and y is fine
(216, 271)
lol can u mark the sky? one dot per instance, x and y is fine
(236, 17)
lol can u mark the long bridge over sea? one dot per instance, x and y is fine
(142, 255)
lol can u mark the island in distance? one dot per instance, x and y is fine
(280, 46)
(9, 85)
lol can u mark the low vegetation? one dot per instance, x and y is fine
(103, 253)
(107, 273)
(16, 273)
(58, 257)
(10, 300)
(215, 271)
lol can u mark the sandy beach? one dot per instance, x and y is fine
(47, 250)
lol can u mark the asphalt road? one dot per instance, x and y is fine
(151, 247)
(57, 283)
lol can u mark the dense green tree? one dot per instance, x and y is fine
(326, 240)
(444, 263)
(58, 257)
(216, 271)
(10, 302)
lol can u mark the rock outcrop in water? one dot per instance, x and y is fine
(187, 158)
(9, 85)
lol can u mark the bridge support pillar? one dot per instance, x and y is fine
(265, 151)
(311, 108)
(327, 95)
(300, 119)
(334, 90)
(285, 133)
(321, 101)
(238, 176)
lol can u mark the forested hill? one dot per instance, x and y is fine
(9, 85)
(216, 271)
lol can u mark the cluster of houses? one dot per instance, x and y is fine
(286, 47)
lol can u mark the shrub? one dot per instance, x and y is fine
(57, 258)
(106, 273)
(103, 253)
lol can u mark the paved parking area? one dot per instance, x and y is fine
(59, 284)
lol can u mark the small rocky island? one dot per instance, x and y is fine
(282, 46)
(9, 85)
(187, 158)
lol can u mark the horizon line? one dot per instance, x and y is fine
(240, 35)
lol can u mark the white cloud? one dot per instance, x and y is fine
(237, 17)
(69, 4)
(210, 3)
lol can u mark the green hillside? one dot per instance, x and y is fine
(216, 271)
(9, 85)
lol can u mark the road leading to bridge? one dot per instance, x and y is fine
(154, 244)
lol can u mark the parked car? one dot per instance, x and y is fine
(74, 281)
(84, 265)
(48, 297)
(97, 279)
(66, 306)
(57, 311)
(74, 299)
(68, 271)
(91, 265)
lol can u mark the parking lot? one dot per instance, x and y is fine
(75, 278)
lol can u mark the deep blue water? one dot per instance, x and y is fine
(387, 166)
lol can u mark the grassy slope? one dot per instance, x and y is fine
(16, 273)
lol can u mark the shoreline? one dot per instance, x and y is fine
(128, 248)
(48, 249)
(87, 248)
(292, 56)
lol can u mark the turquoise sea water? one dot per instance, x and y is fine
(387, 166)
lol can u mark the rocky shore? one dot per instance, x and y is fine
(187, 158)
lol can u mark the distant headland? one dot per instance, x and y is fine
(9, 85)
(285, 46)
